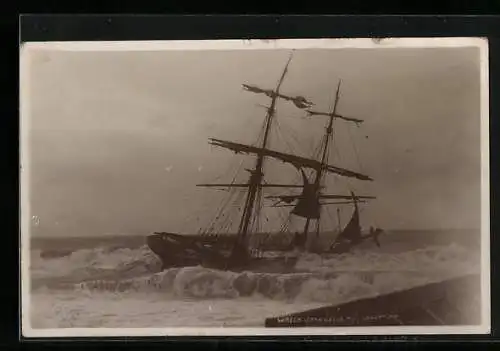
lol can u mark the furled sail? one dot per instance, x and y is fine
(290, 198)
(335, 115)
(297, 161)
(299, 101)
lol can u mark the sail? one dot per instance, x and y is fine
(352, 231)
(308, 205)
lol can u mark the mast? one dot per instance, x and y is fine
(313, 197)
(319, 173)
(256, 174)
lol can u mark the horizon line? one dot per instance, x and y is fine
(108, 235)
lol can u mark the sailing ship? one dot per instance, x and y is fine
(235, 252)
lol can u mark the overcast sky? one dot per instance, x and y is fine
(118, 140)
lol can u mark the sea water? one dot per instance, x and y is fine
(118, 283)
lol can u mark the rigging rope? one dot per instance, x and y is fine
(289, 130)
(226, 225)
(355, 150)
(219, 212)
(279, 135)
(232, 191)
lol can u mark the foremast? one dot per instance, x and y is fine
(256, 174)
(240, 251)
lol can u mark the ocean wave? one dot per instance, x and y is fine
(335, 278)
(88, 262)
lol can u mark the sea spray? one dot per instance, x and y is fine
(329, 278)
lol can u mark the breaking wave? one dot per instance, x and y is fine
(336, 278)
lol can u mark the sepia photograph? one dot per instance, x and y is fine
(255, 187)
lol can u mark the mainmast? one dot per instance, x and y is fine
(309, 205)
(319, 173)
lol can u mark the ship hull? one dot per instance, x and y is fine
(171, 242)
(175, 250)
